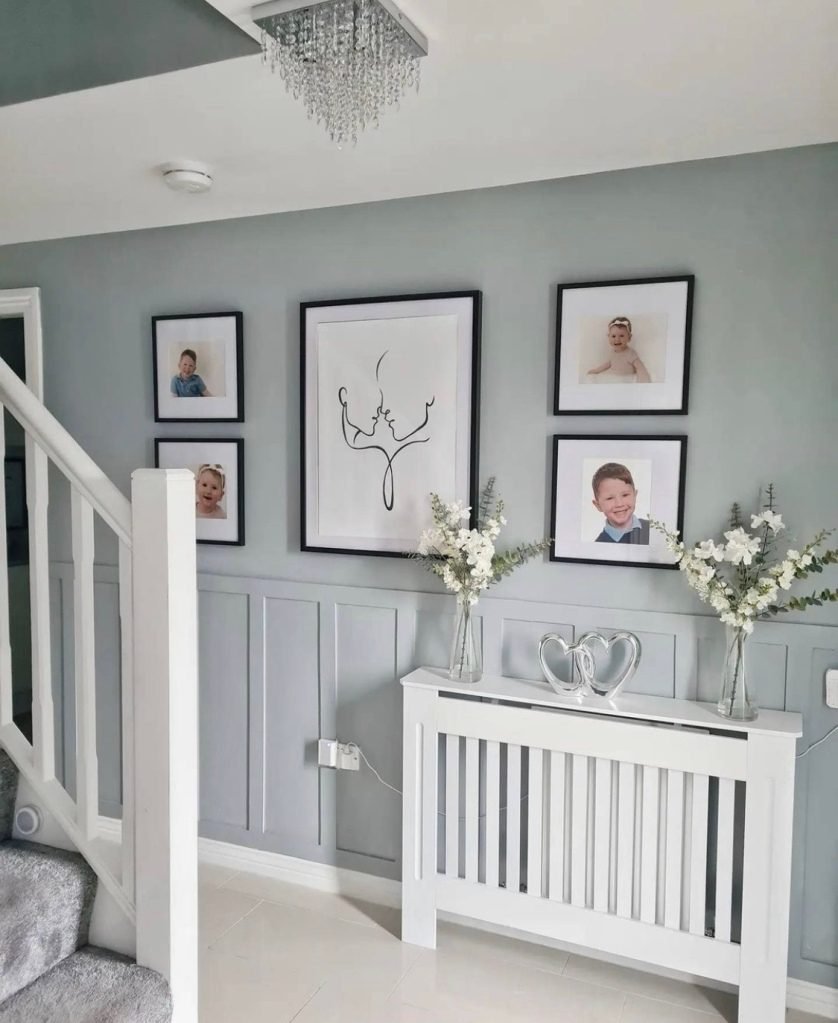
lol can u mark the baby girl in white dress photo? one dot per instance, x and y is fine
(625, 365)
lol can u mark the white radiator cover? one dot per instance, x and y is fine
(641, 827)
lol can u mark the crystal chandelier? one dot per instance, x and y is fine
(347, 60)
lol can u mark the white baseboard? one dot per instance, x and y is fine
(816, 998)
(802, 995)
(322, 876)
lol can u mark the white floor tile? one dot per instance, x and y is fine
(212, 876)
(218, 910)
(339, 906)
(280, 953)
(324, 1007)
(638, 982)
(647, 1010)
(494, 989)
(361, 958)
(235, 990)
(475, 943)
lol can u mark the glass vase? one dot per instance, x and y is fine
(466, 664)
(735, 701)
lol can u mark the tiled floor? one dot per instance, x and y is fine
(274, 952)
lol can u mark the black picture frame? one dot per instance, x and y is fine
(163, 403)
(671, 398)
(620, 441)
(208, 442)
(473, 298)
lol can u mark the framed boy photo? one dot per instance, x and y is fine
(218, 467)
(198, 368)
(605, 491)
(624, 347)
(390, 393)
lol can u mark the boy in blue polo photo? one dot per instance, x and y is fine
(615, 495)
(186, 383)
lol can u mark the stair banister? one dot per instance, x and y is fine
(70, 457)
(156, 888)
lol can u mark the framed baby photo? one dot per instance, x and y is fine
(218, 467)
(198, 368)
(390, 395)
(605, 491)
(624, 347)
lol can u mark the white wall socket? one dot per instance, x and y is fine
(339, 755)
(832, 688)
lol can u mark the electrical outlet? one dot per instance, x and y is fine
(832, 688)
(348, 759)
(340, 755)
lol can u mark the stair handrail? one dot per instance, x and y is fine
(73, 461)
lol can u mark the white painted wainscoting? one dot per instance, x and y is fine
(283, 663)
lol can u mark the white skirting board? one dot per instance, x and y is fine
(814, 998)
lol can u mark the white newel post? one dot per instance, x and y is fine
(419, 817)
(166, 730)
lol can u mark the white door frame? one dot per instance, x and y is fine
(26, 303)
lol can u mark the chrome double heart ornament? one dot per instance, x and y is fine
(584, 660)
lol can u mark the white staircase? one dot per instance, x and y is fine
(155, 884)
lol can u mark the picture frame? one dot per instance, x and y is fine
(379, 378)
(198, 367)
(623, 347)
(604, 491)
(218, 465)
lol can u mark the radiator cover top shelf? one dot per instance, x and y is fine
(627, 705)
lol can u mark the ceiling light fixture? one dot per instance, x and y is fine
(347, 60)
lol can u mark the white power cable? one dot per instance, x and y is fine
(815, 745)
(354, 746)
(357, 749)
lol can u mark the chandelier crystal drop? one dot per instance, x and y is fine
(347, 60)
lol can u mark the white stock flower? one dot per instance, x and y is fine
(741, 546)
(773, 520)
(707, 549)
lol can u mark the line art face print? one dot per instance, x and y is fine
(382, 434)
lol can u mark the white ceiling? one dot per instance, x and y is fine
(514, 91)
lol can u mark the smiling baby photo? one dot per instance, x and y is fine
(218, 467)
(623, 346)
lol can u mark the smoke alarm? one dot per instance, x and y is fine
(187, 176)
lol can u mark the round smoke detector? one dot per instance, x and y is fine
(187, 176)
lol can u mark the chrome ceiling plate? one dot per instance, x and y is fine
(262, 13)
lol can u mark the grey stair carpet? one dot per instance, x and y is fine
(8, 793)
(92, 986)
(46, 899)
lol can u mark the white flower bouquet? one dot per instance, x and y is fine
(466, 559)
(744, 577)
(468, 562)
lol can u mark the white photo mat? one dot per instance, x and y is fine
(388, 418)
(656, 464)
(216, 341)
(660, 314)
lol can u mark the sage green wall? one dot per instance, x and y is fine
(759, 233)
